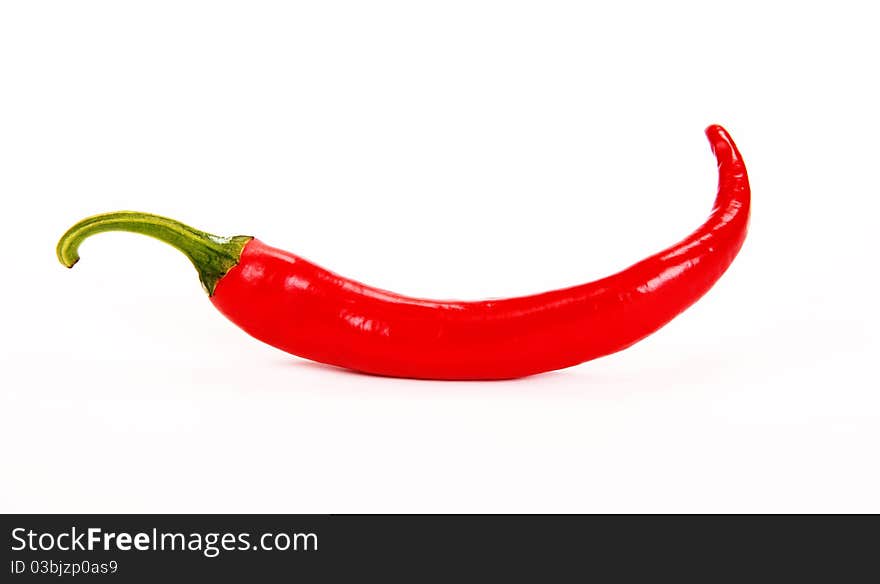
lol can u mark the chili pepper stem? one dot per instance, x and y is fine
(213, 256)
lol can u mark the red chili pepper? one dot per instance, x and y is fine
(299, 307)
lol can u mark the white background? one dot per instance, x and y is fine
(442, 149)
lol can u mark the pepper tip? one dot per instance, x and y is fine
(713, 130)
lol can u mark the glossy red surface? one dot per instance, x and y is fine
(299, 307)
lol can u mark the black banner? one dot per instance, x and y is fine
(264, 548)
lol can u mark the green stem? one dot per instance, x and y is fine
(211, 255)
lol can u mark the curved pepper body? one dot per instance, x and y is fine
(299, 307)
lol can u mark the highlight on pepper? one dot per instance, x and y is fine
(304, 309)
